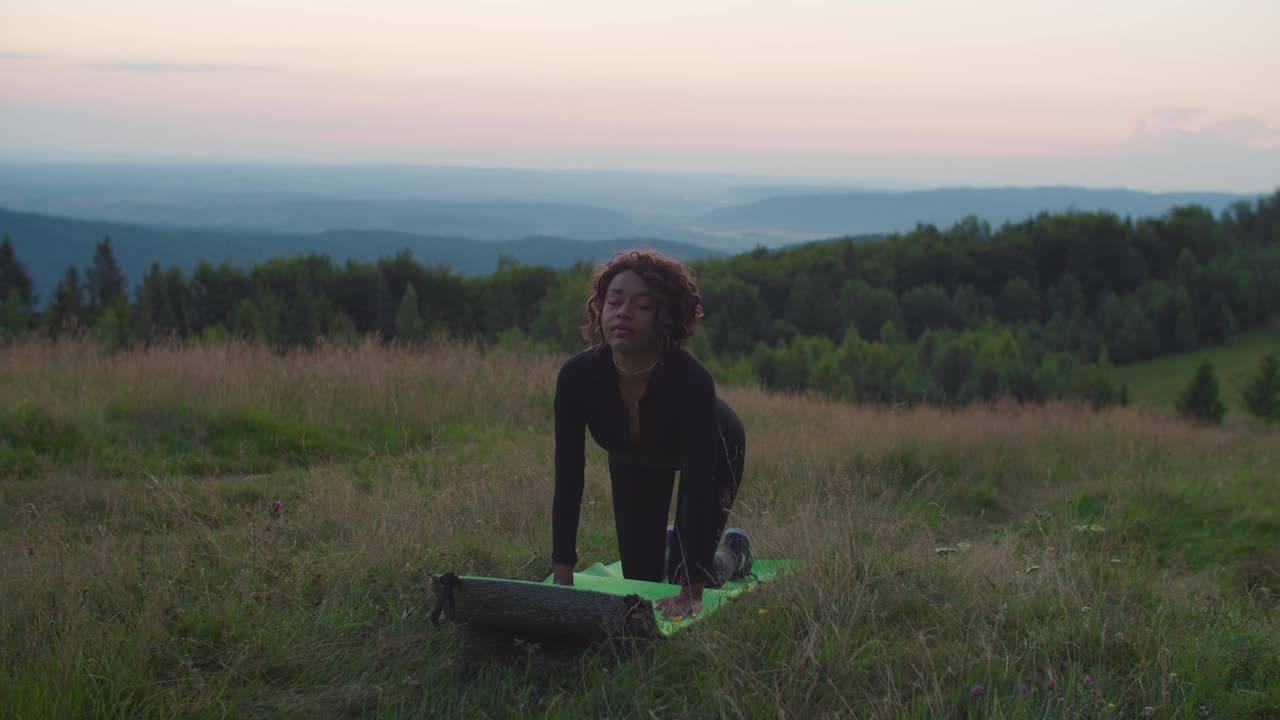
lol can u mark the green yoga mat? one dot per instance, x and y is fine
(609, 579)
(601, 601)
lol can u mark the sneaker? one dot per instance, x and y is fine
(737, 542)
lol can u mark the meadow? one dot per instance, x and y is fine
(1160, 382)
(223, 531)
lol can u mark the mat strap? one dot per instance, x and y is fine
(445, 603)
(634, 605)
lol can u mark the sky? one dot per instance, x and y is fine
(1148, 94)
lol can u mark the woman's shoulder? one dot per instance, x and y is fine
(684, 365)
(581, 364)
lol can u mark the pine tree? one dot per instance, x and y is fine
(67, 310)
(157, 311)
(104, 280)
(1262, 394)
(14, 277)
(13, 318)
(150, 296)
(1200, 399)
(409, 325)
(176, 311)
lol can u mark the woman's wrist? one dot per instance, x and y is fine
(695, 590)
(562, 573)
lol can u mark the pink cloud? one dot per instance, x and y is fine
(1187, 127)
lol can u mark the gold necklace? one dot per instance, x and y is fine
(624, 371)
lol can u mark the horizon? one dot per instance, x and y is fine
(996, 94)
(821, 184)
(1253, 176)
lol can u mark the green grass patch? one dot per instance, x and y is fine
(200, 442)
(31, 438)
(1208, 527)
(1159, 382)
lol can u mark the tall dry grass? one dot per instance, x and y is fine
(78, 379)
(944, 551)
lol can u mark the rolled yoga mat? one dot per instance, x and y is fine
(601, 602)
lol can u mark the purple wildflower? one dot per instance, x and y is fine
(1087, 680)
(266, 525)
(31, 550)
(977, 691)
(276, 507)
(1051, 684)
(1022, 689)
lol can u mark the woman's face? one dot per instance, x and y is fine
(629, 318)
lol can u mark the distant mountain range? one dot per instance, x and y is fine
(469, 237)
(312, 214)
(48, 244)
(468, 217)
(861, 212)
(475, 203)
(728, 213)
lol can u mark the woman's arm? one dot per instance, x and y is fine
(570, 444)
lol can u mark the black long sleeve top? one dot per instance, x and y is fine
(678, 431)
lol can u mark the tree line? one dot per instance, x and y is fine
(1033, 310)
(284, 302)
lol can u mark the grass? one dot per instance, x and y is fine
(1159, 382)
(1116, 564)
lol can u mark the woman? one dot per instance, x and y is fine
(653, 407)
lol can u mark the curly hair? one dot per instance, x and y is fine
(679, 303)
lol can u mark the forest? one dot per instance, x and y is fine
(1033, 310)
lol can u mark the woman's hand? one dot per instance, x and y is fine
(682, 605)
(563, 574)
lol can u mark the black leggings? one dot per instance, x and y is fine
(642, 496)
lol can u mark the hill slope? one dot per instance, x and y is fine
(1159, 382)
(850, 213)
